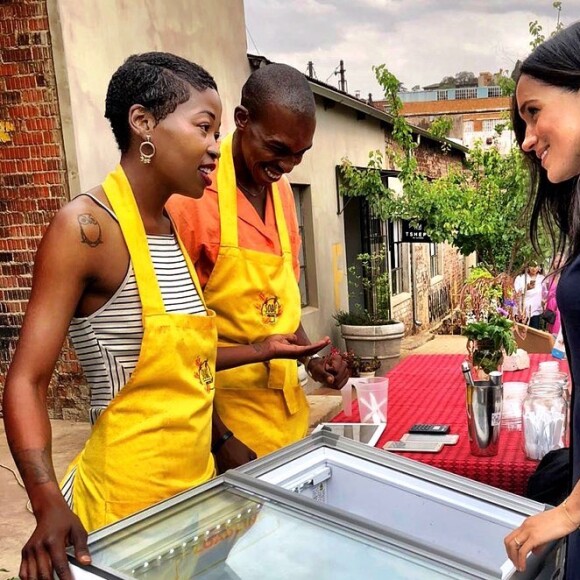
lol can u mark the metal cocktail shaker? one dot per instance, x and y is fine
(484, 404)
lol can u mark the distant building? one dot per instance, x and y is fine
(476, 109)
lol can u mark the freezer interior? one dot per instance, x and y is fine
(229, 534)
(458, 523)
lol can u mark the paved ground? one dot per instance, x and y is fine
(68, 439)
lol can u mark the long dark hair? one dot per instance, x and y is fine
(555, 62)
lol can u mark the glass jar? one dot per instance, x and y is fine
(544, 419)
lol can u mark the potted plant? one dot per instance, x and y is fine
(371, 333)
(358, 367)
(488, 310)
(487, 341)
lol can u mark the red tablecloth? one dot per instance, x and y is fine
(431, 389)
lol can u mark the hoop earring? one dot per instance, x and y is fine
(145, 157)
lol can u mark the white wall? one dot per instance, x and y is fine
(92, 38)
(338, 134)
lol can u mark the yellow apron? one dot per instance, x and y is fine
(154, 438)
(254, 295)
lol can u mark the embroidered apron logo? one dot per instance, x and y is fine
(270, 308)
(204, 374)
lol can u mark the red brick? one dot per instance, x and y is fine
(20, 82)
(33, 180)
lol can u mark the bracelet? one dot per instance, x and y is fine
(577, 526)
(219, 443)
(307, 362)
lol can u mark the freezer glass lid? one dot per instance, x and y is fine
(228, 533)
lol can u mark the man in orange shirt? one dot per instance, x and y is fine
(243, 238)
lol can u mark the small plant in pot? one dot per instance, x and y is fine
(487, 308)
(358, 367)
(366, 367)
(487, 341)
(371, 332)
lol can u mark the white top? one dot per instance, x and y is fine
(108, 342)
(531, 298)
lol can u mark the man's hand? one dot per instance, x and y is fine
(44, 554)
(232, 454)
(330, 370)
(286, 346)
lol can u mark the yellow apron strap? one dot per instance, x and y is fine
(227, 195)
(281, 221)
(189, 263)
(119, 193)
(228, 201)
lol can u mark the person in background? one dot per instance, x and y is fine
(111, 269)
(243, 238)
(528, 288)
(549, 300)
(546, 119)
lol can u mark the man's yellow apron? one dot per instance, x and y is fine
(255, 295)
(154, 438)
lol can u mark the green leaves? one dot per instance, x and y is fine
(497, 329)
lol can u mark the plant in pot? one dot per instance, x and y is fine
(487, 341)
(358, 367)
(371, 333)
(488, 310)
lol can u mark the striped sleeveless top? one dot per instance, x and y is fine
(108, 342)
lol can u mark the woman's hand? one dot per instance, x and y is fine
(44, 554)
(535, 532)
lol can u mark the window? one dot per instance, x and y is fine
(396, 251)
(442, 95)
(467, 127)
(494, 92)
(434, 260)
(466, 93)
(300, 194)
(489, 125)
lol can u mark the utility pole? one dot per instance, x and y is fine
(342, 84)
(310, 70)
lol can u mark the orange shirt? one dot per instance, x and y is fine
(198, 225)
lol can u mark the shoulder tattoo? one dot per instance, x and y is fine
(90, 230)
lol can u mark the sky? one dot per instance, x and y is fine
(420, 41)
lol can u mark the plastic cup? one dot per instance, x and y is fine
(549, 366)
(373, 397)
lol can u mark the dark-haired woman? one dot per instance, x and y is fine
(111, 268)
(546, 116)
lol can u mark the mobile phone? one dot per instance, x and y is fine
(414, 446)
(450, 439)
(429, 429)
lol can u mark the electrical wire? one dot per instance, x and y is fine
(19, 482)
(253, 41)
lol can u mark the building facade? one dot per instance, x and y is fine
(55, 143)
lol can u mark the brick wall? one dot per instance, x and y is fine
(456, 106)
(33, 183)
(433, 162)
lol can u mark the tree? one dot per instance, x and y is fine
(479, 208)
(441, 126)
(465, 78)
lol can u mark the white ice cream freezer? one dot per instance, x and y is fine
(324, 508)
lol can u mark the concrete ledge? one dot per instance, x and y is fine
(323, 408)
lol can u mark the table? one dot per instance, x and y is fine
(431, 389)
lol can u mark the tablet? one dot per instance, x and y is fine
(367, 433)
